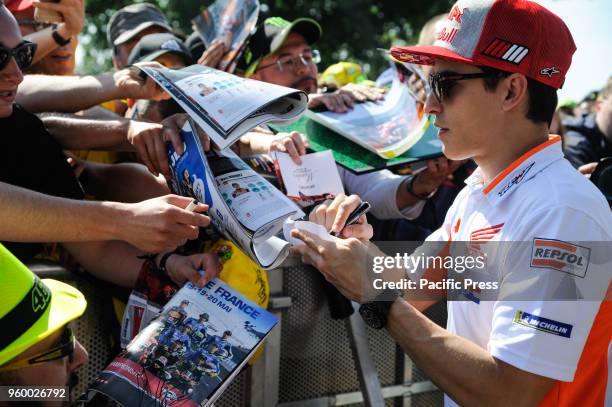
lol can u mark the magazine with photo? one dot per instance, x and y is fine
(360, 160)
(227, 106)
(243, 206)
(387, 128)
(190, 352)
(232, 21)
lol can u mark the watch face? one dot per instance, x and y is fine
(372, 316)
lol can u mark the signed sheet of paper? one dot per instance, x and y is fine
(318, 175)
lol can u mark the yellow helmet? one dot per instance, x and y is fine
(343, 73)
(31, 309)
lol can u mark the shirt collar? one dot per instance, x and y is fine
(523, 168)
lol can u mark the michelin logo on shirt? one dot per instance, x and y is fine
(543, 324)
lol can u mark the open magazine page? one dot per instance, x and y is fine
(253, 200)
(206, 177)
(226, 106)
(190, 353)
(388, 128)
(231, 20)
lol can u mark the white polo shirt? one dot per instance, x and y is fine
(542, 201)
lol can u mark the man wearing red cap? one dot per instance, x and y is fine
(544, 230)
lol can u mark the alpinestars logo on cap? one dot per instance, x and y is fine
(549, 71)
(506, 51)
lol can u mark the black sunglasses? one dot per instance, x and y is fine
(64, 347)
(442, 83)
(23, 53)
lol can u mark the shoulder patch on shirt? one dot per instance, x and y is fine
(543, 324)
(561, 256)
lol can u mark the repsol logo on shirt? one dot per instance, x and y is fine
(543, 324)
(559, 255)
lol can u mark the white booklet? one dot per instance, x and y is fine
(226, 106)
(243, 206)
(316, 177)
(387, 128)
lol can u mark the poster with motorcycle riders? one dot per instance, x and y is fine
(191, 352)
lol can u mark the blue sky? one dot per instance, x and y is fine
(589, 22)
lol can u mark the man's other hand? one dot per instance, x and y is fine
(343, 262)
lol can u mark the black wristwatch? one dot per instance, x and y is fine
(375, 313)
(59, 40)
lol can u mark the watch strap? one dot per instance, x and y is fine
(59, 40)
(162, 263)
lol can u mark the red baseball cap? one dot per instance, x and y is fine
(18, 5)
(510, 35)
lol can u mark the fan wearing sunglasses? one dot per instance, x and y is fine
(38, 347)
(16, 54)
(56, 42)
(47, 172)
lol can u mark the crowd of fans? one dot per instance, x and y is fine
(83, 178)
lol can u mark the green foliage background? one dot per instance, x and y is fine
(352, 29)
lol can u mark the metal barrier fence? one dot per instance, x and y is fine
(308, 359)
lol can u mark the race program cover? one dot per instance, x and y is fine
(190, 353)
